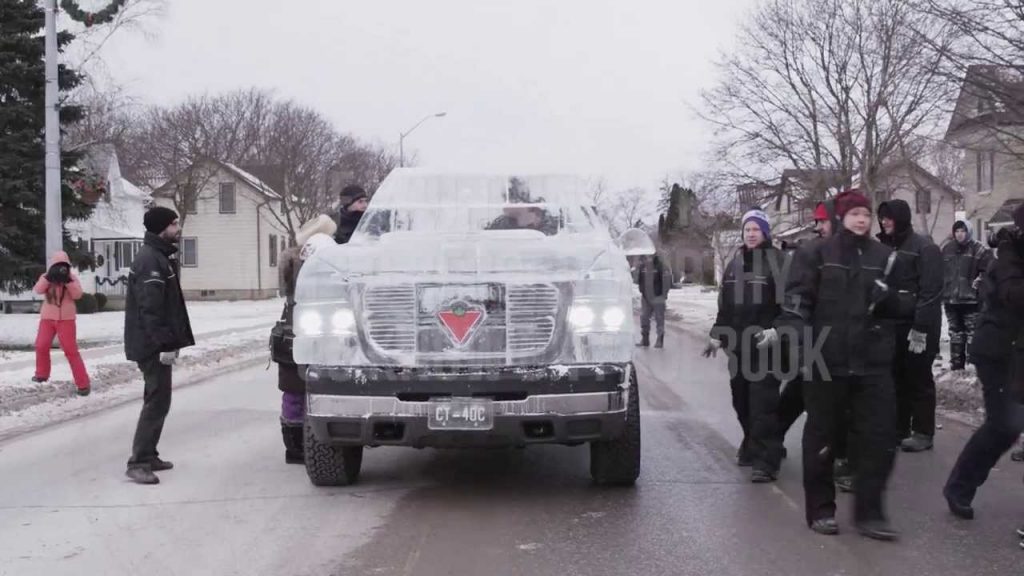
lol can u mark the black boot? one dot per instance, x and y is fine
(645, 340)
(293, 451)
(660, 342)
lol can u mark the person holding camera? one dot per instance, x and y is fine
(61, 288)
(156, 327)
(997, 351)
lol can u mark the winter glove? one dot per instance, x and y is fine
(767, 338)
(918, 341)
(976, 284)
(711, 349)
(168, 358)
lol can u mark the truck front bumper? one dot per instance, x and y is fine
(384, 406)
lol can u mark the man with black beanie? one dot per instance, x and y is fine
(919, 288)
(156, 327)
(353, 204)
(964, 260)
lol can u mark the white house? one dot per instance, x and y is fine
(933, 204)
(231, 238)
(988, 124)
(114, 231)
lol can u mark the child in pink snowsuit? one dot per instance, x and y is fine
(57, 318)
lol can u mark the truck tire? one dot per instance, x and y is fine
(617, 462)
(328, 465)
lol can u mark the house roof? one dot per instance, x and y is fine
(915, 170)
(248, 179)
(1001, 86)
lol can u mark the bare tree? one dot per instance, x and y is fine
(629, 208)
(837, 86)
(179, 149)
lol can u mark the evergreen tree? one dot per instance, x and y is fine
(22, 146)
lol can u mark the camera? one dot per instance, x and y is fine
(59, 274)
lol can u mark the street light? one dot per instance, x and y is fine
(401, 136)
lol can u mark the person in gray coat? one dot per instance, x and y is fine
(964, 261)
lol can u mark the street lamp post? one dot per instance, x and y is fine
(402, 135)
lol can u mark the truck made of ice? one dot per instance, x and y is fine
(469, 311)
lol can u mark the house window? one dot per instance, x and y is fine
(227, 197)
(189, 252)
(923, 201)
(273, 250)
(986, 171)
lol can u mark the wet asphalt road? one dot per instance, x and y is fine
(232, 506)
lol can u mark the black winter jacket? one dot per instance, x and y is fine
(752, 290)
(155, 318)
(654, 281)
(830, 290)
(347, 222)
(919, 283)
(999, 336)
(962, 264)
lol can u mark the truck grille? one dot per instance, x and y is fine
(524, 325)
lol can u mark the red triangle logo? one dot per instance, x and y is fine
(460, 323)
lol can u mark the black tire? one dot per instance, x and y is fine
(617, 462)
(328, 465)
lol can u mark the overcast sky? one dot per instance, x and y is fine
(597, 87)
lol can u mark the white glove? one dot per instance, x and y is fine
(976, 284)
(918, 341)
(168, 358)
(712, 348)
(767, 338)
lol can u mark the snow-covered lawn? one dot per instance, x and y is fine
(226, 333)
(18, 331)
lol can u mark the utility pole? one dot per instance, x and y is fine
(54, 228)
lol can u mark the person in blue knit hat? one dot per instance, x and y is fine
(748, 303)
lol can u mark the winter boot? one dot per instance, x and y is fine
(141, 475)
(293, 451)
(660, 342)
(826, 526)
(645, 340)
(917, 443)
(39, 380)
(878, 530)
(84, 391)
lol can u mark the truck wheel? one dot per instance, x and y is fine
(328, 465)
(617, 462)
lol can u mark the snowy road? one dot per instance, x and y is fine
(232, 506)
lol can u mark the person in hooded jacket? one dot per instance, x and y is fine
(60, 288)
(289, 374)
(748, 304)
(354, 201)
(964, 262)
(654, 279)
(840, 305)
(156, 328)
(919, 287)
(997, 352)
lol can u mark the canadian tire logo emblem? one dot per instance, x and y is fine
(460, 321)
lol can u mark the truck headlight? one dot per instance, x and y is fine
(310, 323)
(613, 318)
(581, 316)
(342, 321)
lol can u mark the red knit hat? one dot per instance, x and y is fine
(821, 212)
(849, 200)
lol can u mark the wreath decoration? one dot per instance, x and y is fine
(92, 18)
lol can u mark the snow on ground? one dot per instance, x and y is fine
(227, 333)
(18, 331)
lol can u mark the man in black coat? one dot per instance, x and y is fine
(998, 354)
(654, 279)
(839, 303)
(156, 327)
(919, 287)
(964, 260)
(354, 201)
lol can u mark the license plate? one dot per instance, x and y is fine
(461, 414)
